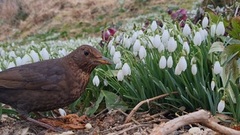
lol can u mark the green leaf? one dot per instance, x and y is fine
(216, 47)
(91, 110)
(113, 101)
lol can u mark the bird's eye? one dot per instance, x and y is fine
(86, 53)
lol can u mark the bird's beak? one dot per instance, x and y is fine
(104, 60)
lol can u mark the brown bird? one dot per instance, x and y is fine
(49, 84)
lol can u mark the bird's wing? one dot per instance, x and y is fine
(33, 77)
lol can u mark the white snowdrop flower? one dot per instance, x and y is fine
(105, 82)
(186, 47)
(134, 37)
(62, 52)
(120, 75)
(156, 41)
(154, 26)
(161, 47)
(118, 65)
(44, 54)
(127, 43)
(202, 33)
(142, 52)
(213, 30)
(162, 62)
(194, 69)
(26, 59)
(165, 36)
(11, 64)
(18, 61)
(116, 57)
(140, 32)
(96, 80)
(182, 63)
(112, 50)
(213, 85)
(34, 56)
(205, 22)
(12, 54)
(186, 30)
(169, 62)
(136, 46)
(197, 40)
(110, 43)
(217, 69)
(126, 70)
(62, 112)
(221, 106)
(171, 44)
(220, 29)
(177, 71)
(180, 39)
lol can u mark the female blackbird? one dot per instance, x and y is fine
(49, 84)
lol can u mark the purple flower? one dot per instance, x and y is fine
(107, 34)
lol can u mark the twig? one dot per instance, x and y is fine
(145, 101)
(201, 116)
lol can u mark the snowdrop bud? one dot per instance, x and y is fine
(220, 29)
(142, 52)
(117, 57)
(44, 53)
(112, 50)
(18, 61)
(161, 48)
(217, 69)
(62, 112)
(127, 43)
(169, 62)
(177, 71)
(34, 56)
(162, 62)
(212, 85)
(213, 30)
(165, 36)
(136, 46)
(205, 22)
(120, 75)
(11, 64)
(180, 39)
(154, 26)
(182, 63)
(171, 45)
(194, 69)
(126, 70)
(96, 81)
(12, 54)
(105, 82)
(62, 52)
(134, 37)
(186, 47)
(156, 41)
(26, 59)
(221, 106)
(197, 39)
(118, 65)
(186, 30)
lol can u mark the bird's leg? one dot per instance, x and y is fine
(41, 124)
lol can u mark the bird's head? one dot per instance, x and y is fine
(88, 57)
